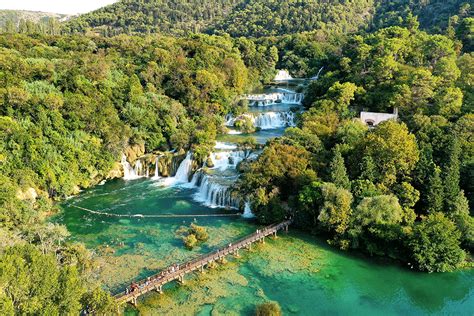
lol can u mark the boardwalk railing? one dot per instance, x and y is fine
(178, 271)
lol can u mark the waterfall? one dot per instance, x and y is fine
(130, 173)
(266, 120)
(157, 169)
(147, 171)
(225, 146)
(317, 75)
(213, 194)
(227, 159)
(247, 210)
(184, 170)
(272, 120)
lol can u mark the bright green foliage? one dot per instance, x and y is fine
(338, 174)
(435, 194)
(190, 241)
(375, 224)
(451, 176)
(435, 244)
(335, 212)
(34, 284)
(193, 235)
(393, 150)
(268, 309)
(245, 124)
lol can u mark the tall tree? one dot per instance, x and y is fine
(435, 194)
(451, 175)
(338, 174)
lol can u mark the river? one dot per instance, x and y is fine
(300, 272)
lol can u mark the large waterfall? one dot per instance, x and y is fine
(267, 99)
(214, 194)
(266, 120)
(184, 170)
(271, 120)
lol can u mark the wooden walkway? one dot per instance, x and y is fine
(178, 271)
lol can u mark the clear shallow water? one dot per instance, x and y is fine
(304, 275)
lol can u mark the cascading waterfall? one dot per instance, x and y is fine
(248, 210)
(213, 194)
(184, 170)
(157, 169)
(227, 159)
(271, 120)
(267, 120)
(130, 173)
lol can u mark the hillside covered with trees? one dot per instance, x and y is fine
(74, 96)
(257, 18)
(401, 189)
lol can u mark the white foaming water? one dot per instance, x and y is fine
(233, 132)
(157, 170)
(227, 159)
(130, 173)
(272, 120)
(267, 120)
(225, 146)
(248, 211)
(213, 194)
(283, 75)
(182, 174)
(184, 170)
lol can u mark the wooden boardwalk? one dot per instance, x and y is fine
(178, 271)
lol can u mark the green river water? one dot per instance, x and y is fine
(300, 272)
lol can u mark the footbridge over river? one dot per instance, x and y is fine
(179, 271)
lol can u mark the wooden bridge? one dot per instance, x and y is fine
(178, 271)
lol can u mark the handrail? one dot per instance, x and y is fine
(158, 279)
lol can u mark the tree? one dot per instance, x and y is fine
(451, 173)
(338, 172)
(268, 309)
(435, 193)
(435, 244)
(393, 150)
(379, 225)
(35, 284)
(335, 212)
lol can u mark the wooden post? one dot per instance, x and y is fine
(159, 289)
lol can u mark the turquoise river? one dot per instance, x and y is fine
(297, 270)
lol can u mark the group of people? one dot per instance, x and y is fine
(135, 287)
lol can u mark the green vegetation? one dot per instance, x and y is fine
(268, 309)
(31, 22)
(392, 190)
(70, 105)
(193, 235)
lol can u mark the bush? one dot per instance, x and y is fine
(190, 241)
(268, 309)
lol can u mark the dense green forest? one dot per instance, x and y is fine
(70, 104)
(399, 190)
(257, 18)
